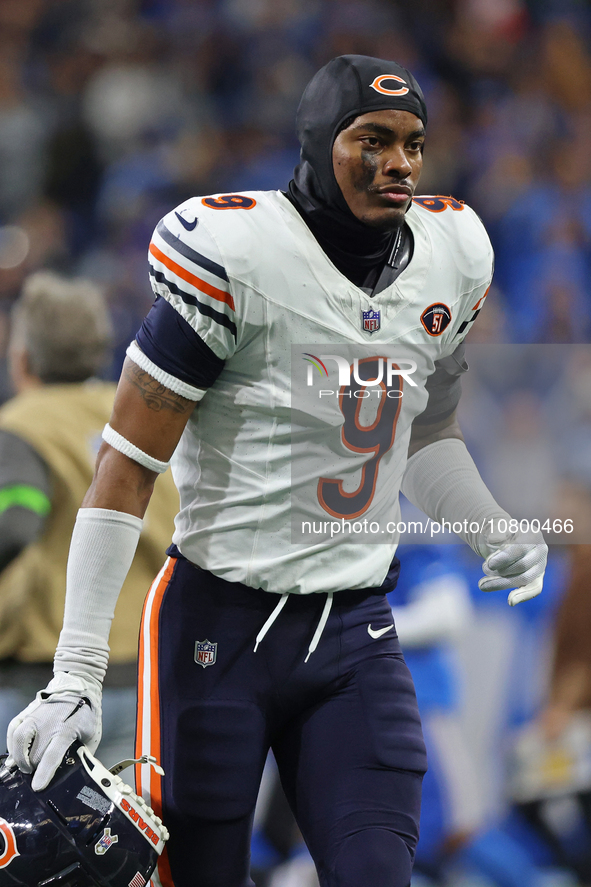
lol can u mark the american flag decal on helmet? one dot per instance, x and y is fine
(138, 880)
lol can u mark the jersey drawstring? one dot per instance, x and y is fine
(319, 628)
(321, 624)
(271, 619)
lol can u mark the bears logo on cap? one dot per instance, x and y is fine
(377, 85)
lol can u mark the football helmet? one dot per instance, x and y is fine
(86, 829)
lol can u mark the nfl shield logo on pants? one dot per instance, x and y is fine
(205, 653)
(371, 321)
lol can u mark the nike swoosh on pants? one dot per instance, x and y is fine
(378, 632)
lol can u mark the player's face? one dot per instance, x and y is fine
(377, 162)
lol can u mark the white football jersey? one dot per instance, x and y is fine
(245, 274)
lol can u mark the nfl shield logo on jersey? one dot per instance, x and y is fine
(371, 321)
(206, 653)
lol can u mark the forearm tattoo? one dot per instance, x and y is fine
(156, 396)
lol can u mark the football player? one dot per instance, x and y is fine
(250, 641)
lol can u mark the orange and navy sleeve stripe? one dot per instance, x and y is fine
(475, 311)
(197, 279)
(191, 328)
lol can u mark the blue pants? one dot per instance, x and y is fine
(344, 728)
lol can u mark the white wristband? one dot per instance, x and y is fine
(442, 480)
(101, 551)
(120, 443)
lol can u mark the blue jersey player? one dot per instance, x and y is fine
(250, 641)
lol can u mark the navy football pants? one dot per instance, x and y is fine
(344, 728)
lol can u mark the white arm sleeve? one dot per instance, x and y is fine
(443, 481)
(102, 549)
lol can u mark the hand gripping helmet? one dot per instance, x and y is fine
(86, 829)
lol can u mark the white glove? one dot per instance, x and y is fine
(511, 563)
(443, 481)
(68, 709)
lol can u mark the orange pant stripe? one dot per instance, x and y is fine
(148, 783)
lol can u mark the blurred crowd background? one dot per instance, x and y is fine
(113, 111)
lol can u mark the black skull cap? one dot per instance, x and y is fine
(348, 86)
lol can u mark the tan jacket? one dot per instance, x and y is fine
(64, 423)
(570, 679)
